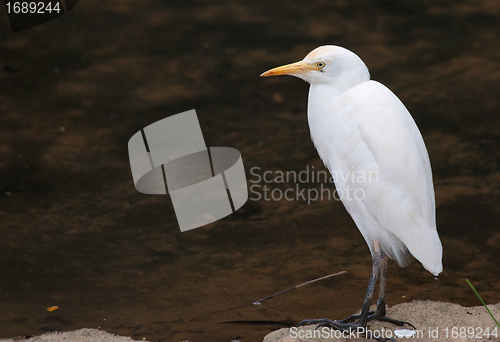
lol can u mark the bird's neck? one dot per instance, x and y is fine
(323, 99)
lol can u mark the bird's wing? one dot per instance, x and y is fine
(401, 199)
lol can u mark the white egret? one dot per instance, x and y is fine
(359, 127)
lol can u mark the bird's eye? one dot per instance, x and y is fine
(320, 65)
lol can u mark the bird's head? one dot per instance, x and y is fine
(326, 64)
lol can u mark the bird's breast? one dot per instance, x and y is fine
(333, 131)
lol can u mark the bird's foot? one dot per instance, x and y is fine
(395, 321)
(325, 322)
(353, 327)
(379, 316)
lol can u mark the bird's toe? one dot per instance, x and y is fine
(326, 322)
(395, 321)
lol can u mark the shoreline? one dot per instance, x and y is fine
(435, 321)
(80, 335)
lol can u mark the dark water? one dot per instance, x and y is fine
(76, 234)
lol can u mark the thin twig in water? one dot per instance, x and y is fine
(258, 302)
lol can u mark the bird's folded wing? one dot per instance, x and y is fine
(401, 198)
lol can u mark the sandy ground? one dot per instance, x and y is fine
(435, 321)
(81, 335)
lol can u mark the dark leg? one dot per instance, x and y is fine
(360, 320)
(379, 266)
(379, 313)
(365, 310)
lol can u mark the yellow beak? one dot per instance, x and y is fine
(291, 69)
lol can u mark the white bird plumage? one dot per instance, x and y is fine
(362, 131)
(371, 145)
